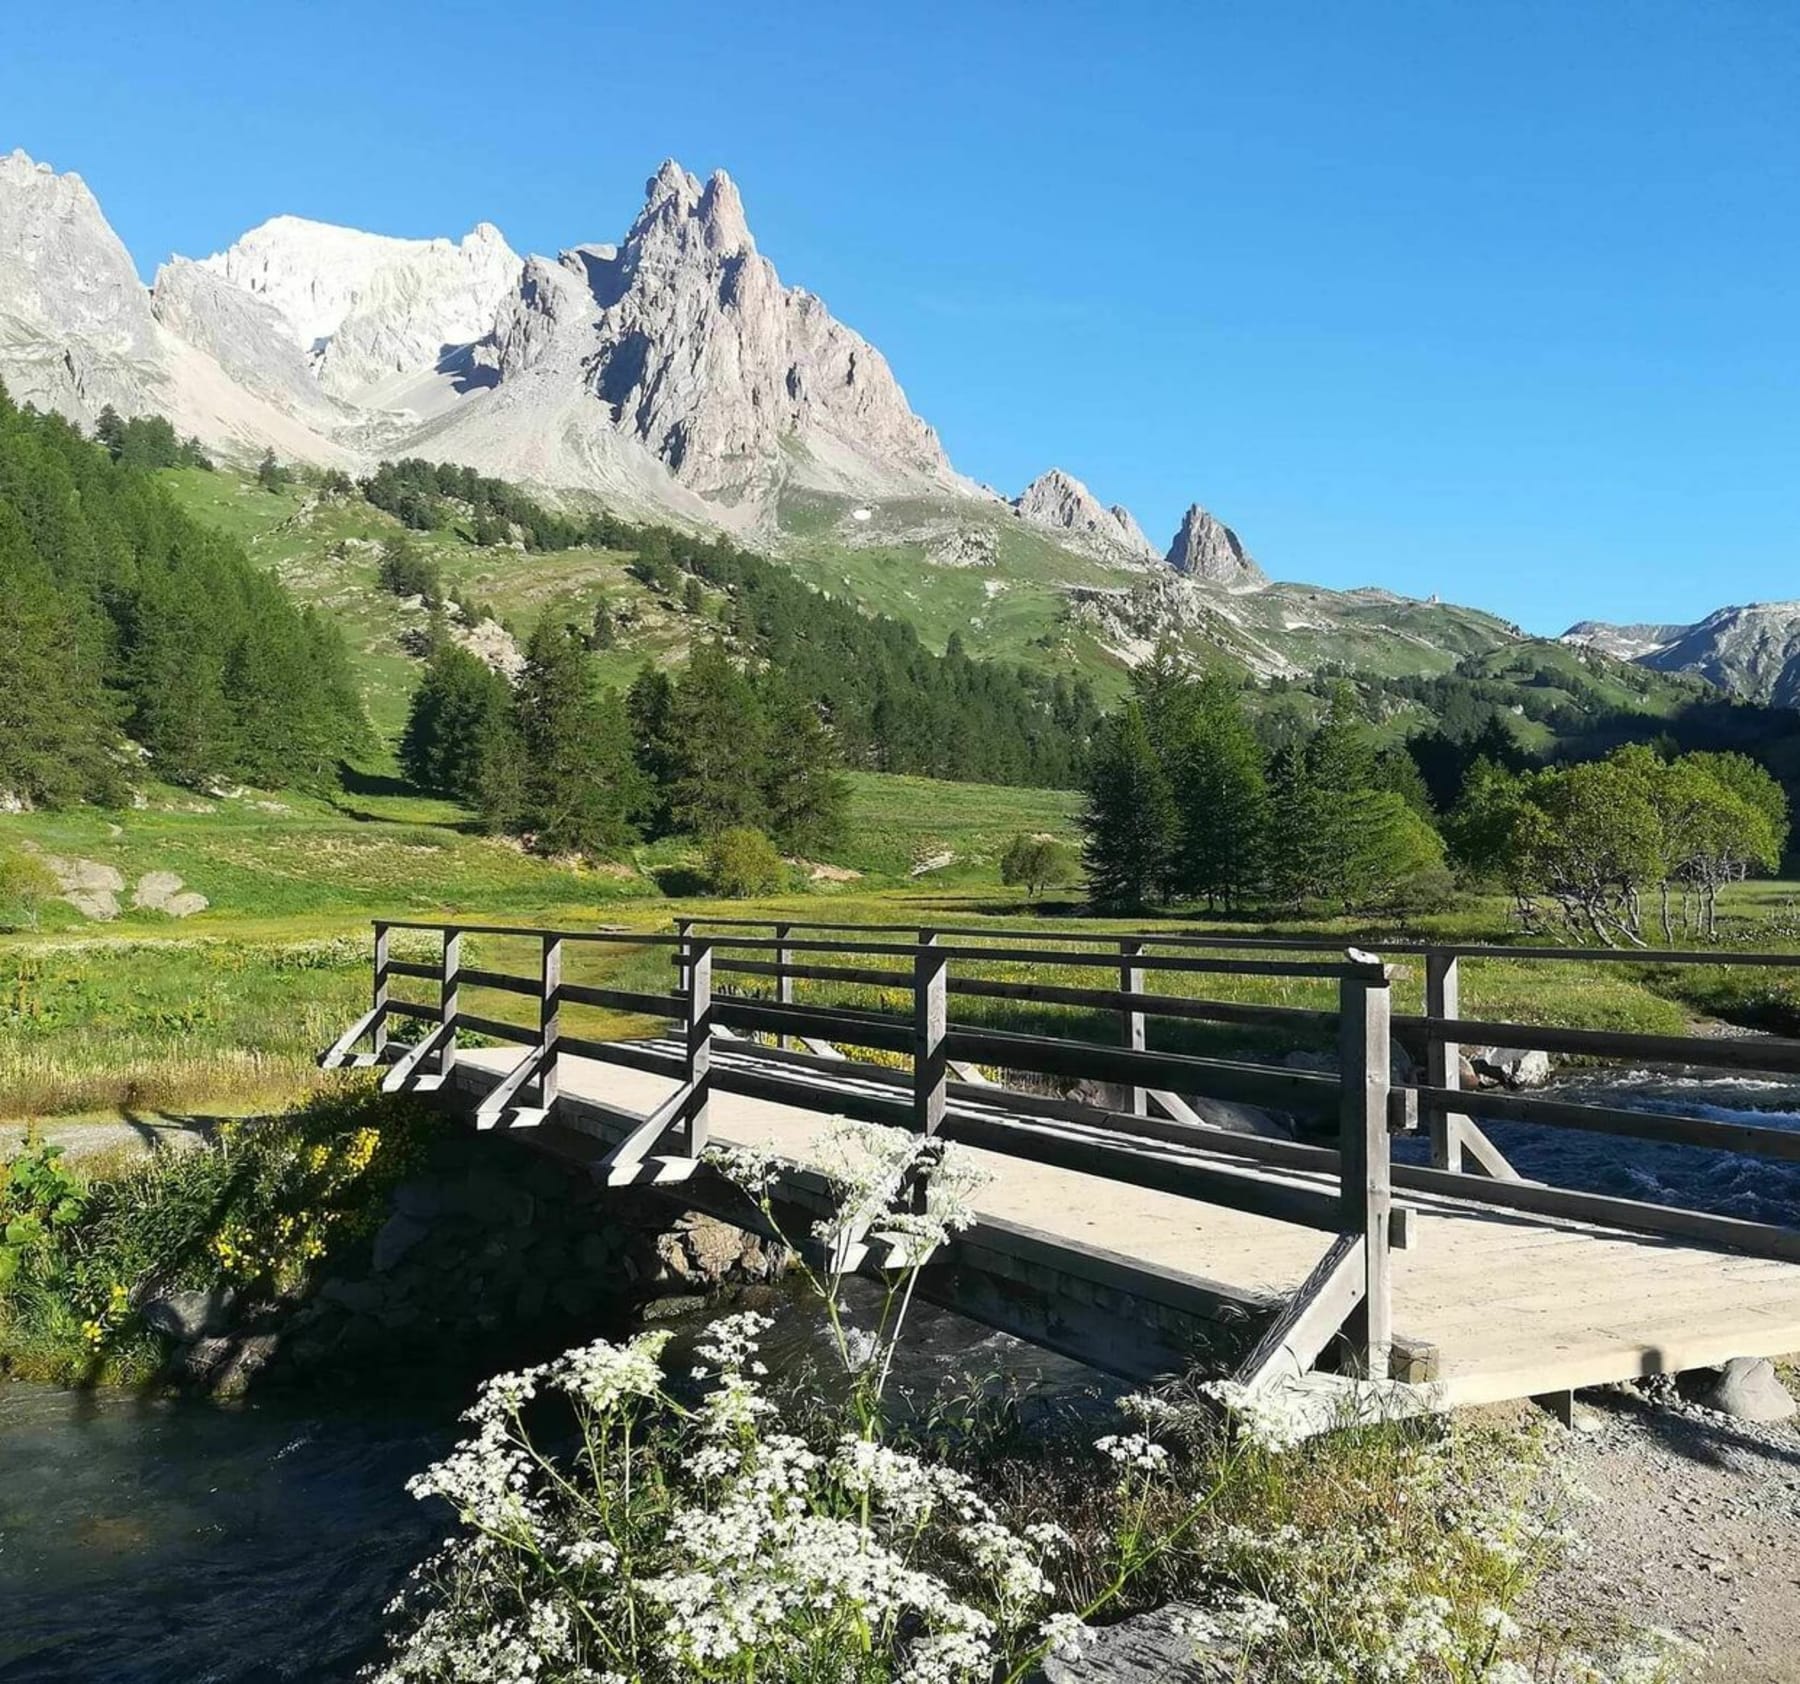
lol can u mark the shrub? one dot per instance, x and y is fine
(25, 884)
(706, 1526)
(742, 863)
(1037, 863)
(255, 1210)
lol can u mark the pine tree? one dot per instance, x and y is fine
(807, 801)
(580, 785)
(56, 722)
(1130, 820)
(454, 708)
(717, 743)
(1295, 869)
(1222, 792)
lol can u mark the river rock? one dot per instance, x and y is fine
(1511, 1067)
(191, 1315)
(1747, 1387)
(1239, 1119)
(397, 1236)
(1145, 1649)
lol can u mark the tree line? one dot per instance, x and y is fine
(123, 622)
(1185, 802)
(576, 765)
(891, 703)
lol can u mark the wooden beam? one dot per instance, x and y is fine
(1131, 1020)
(930, 1061)
(449, 967)
(496, 1105)
(1366, 1184)
(337, 1055)
(378, 1027)
(1724, 1052)
(400, 1076)
(549, 1015)
(699, 1044)
(1312, 1318)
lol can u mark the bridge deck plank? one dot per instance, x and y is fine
(1516, 1304)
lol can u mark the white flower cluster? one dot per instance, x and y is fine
(685, 1542)
(1270, 1417)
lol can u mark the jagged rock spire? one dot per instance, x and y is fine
(1207, 549)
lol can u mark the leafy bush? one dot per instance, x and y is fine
(1037, 863)
(25, 884)
(255, 1210)
(742, 863)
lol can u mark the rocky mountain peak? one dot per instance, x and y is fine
(1207, 549)
(1059, 500)
(74, 317)
(368, 306)
(682, 216)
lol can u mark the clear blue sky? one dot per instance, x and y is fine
(1494, 300)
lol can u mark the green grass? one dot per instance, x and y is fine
(227, 1008)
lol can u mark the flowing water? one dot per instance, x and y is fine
(188, 1543)
(184, 1543)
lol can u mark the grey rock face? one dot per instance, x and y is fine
(1061, 502)
(1208, 550)
(1747, 1387)
(76, 333)
(247, 336)
(1751, 651)
(717, 368)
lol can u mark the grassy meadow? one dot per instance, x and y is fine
(223, 1011)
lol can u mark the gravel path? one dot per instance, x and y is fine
(1694, 1528)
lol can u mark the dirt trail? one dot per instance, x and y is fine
(1693, 1526)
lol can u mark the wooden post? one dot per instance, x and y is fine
(379, 998)
(1443, 1059)
(549, 1009)
(1367, 1186)
(682, 927)
(931, 1068)
(448, 968)
(1131, 1022)
(699, 1042)
(784, 984)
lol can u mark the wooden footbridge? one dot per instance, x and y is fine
(1122, 1224)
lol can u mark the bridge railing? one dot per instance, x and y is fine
(937, 1085)
(1450, 1110)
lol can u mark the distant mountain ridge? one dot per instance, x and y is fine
(674, 376)
(1751, 650)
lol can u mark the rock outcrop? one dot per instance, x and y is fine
(1208, 550)
(704, 357)
(1062, 503)
(76, 333)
